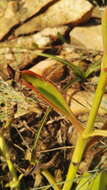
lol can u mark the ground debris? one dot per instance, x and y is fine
(9, 97)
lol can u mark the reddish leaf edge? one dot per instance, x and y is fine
(70, 116)
(29, 85)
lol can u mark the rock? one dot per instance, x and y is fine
(88, 37)
(97, 12)
(17, 53)
(50, 69)
(70, 54)
(47, 35)
(81, 102)
(42, 66)
(60, 13)
(16, 12)
(20, 52)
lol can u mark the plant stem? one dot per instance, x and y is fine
(50, 179)
(97, 100)
(37, 135)
(82, 141)
(77, 155)
(83, 138)
(5, 152)
(97, 132)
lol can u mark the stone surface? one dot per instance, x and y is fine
(97, 12)
(60, 13)
(21, 51)
(15, 12)
(50, 69)
(47, 35)
(88, 37)
(81, 102)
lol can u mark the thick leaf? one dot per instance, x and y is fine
(49, 93)
(91, 181)
(100, 182)
(85, 182)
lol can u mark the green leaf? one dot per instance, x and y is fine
(50, 94)
(76, 69)
(91, 181)
(61, 37)
(92, 68)
(85, 182)
(100, 182)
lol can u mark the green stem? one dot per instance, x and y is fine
(78, 152)
(51, 179)
(82, 142)
(96, 101)
(97, 132)
(4, 149)
(37, 135)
